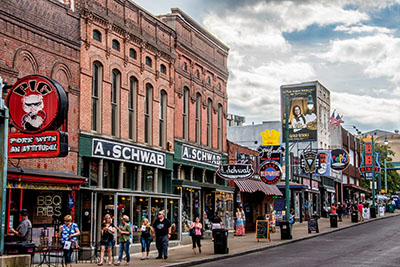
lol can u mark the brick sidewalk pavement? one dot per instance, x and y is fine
(183, 254)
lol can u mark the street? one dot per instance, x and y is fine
(370, 244)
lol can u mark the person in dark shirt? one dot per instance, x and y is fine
(161, 229)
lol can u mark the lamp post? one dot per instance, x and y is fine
(386, 143)
(287, 189)
(373, 172)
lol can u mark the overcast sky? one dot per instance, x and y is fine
(351, 46)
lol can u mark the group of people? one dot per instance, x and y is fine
(345, 209)
(160, 230)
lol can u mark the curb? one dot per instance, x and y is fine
(217, 258)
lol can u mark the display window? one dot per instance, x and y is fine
(173, 217)
(191, 206)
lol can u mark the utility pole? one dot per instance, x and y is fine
(3, 165)
(287, 190)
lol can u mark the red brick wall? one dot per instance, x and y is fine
(50, 48)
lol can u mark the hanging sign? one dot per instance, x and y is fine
(324, 168)
(38, 107)
(310, 161)
(235, 171)
(340, 159)
(270, 172)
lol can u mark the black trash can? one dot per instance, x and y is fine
(11, 248)
(354, 216)
(333, 219)
(372, 210)
(286, 232)
(220, 241)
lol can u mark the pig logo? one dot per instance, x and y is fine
(35, 115)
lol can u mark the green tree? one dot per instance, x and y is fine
(393, 177)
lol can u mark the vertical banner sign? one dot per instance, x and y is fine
(324, 168)
(367, 160)
(270, 149)
(302, 113)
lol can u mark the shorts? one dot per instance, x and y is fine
(106, 243)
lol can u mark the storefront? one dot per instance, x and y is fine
(256, 198)
(125, 179)
(47, 196)
(204, 194)
(328, 195)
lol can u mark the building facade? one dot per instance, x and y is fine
(42, 38)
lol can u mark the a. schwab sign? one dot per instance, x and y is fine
(200, 156)
(128, 153)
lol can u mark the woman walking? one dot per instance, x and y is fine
(68, 232)
(145, 238)
(107, 239)
(196, 236)
(124, 242)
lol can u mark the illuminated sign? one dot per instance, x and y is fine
(270, 172)
(340, 159)
(309, 161)
(235, 171)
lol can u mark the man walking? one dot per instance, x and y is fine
(24, 230)
(162, 230)
(360, 208)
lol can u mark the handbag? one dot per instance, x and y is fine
(192, 232)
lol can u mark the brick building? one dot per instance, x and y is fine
(50, 48)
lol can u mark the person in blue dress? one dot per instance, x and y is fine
(68, 232)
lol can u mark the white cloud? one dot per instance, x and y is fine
(363, 29)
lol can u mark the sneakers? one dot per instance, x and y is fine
(158, 257)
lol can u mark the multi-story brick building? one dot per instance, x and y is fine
(42, 37)
(200, 83)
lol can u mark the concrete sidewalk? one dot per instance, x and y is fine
(238, 245)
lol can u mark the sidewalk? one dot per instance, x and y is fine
(183, 255)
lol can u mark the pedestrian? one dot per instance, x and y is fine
(292, 217)
(344, 209)
(360, 208)
(196, 228)
(24, 229)
(348, 208)
(107, 239)
(243, 217)
(239, 223)
(124, 240)
(145, 238)
(68, 233)
(333, 208)
(340, 211)
(162, 232)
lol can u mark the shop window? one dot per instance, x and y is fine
(107, 206)
(197, 174)
(90, 169)
(157, 204)
(97, 82)
(115, 45)
(133, 86)
(209, 208)
(173, 217)
(163, 69)
(141, 207)
(185, 113)
(148, 111)
(219, 127)
(132, 53)
(97, 35)
(164, 180)
(123, 208)
(209, 177)
(149, 62)
(191, 204)
(110, 174)
(198, 119)
(87, 213)
(163, 119)
(147, 179)
(209, 123)
(130, 173)
(115, 102)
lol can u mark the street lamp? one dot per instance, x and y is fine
(310, 102)
(287, 190)
(386, 143)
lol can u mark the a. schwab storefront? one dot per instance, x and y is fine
(125, 179)
(204, 194)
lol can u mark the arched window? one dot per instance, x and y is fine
(115, 45)
(97, 35)
(115, 90)
(197, 73)
(149, 62)
(163, 69)
(209, 122)
(132, 53)
(163, 118)
(185, 113)
(148, 111)
(185, 66)
(219, 126)
(97, 83)
(133, 84)
(208, 80)
(198, 119)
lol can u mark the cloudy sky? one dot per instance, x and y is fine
(351, 46)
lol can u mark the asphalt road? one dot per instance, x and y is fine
(371, 244)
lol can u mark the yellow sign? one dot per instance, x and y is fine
(270, 137)
(38, 186)
(383, 191)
